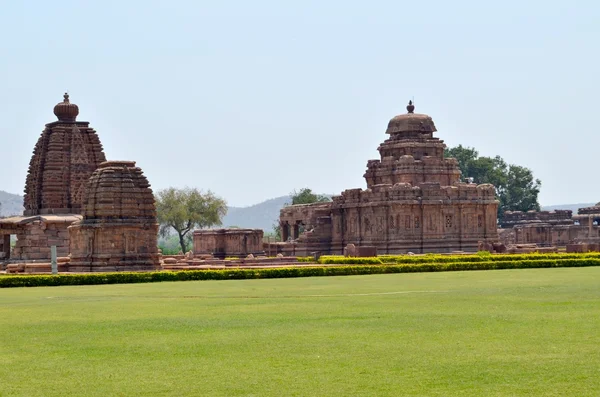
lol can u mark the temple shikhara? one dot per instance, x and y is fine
(64, 157)
(109, 204)
(119, 229)
(415, 202)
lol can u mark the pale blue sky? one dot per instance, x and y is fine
(253, 99)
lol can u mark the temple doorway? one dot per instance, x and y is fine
(5, 245)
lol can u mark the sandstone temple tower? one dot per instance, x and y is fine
(414, 202)
(64, 157)
(119, 230)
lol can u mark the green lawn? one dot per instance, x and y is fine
(479, 333)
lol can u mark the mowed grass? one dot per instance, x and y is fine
(479, 333)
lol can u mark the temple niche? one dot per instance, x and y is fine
(414, 201)
(119, 230)
(64, 157)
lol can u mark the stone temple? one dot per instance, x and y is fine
(64, 157)
(414, 202)
(101, 213)
(119, 228)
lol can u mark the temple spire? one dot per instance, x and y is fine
(410, 107)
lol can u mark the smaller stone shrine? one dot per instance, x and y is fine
(223, 243)
(119, 230)
(551, 228)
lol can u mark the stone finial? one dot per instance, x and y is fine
(65, 110)
(410, 107)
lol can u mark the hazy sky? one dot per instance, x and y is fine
(252, 99)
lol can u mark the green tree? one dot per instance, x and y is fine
(521, 190)
(516, 187)
(465, 157)
(169, 245)
(186, 209)
(306, 196)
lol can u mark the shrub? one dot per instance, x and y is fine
(305, 259)
(340, 260)
(438, 258)
(237, 274)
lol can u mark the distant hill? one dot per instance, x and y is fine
(258, 216)
(572, 207)
(10, 204)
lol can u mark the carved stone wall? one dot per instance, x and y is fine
(426, 218)
(119, 228)
(545, 234)
(223, 243)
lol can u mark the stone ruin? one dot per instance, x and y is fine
(558, 228)
(64, 157)
(556, 217)
(233, 242)
(414, 201)
(119, 228)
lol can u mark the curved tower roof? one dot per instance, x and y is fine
(411, 154)
(118, 190)
(411, 122)
(64, 157)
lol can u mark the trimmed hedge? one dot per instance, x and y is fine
(305, 259)
(342, 260)
(436, 258)
(238, 274)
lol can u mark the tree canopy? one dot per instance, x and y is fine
(306, 196)
(186, 209)
(516, 187)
